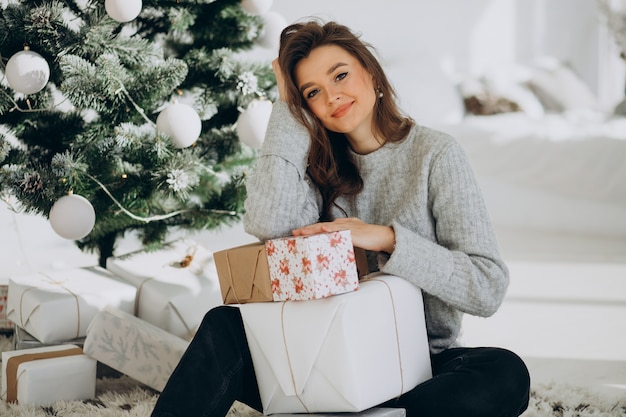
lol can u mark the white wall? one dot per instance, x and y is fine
(472, 35)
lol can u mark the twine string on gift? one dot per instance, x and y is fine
(60, 284)
(232, 282)
(140, 287)
(21, 309)
(182, 320)
(397, 334)
(14, 362)
(184, 263)
(293, 379)
(230, 274)
(138, 295)
(395, 321)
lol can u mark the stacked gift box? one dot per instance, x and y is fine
(291, 268)
(43, 375)
(5, 324)
(137, 316)
(176, 285)
(24, 340)
(96, 312)
(134, 347)
(51, 312)
(58, 306)
(321, 340)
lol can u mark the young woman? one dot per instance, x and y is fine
(338, 154)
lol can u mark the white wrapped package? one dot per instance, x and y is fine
(58, 306)
(134, 347)
(176, 285)
(344, 353)
(5, 323)
(371, 412)
(41, 376)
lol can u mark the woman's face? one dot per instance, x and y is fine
(338, 90)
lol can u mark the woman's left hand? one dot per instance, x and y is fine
(364, 235)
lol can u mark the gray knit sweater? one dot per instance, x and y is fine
(423, 187)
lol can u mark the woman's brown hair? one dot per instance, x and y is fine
(331, 167)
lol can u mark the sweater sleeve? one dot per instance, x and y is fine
(462, 267)
(280, 196)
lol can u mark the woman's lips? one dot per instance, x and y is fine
(342, 110)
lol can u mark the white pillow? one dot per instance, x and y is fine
(560, 89)
(510, 82)
(525, 99)
(426, 93)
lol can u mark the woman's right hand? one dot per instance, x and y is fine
(280, 80)
(367, 236)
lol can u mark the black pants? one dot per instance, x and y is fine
(217, 369)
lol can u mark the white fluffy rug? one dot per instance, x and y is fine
(125, 397)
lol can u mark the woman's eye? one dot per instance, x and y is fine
(311, 94)
(341, 76)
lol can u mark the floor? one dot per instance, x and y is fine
(565, 312)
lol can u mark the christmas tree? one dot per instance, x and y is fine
(118, 116)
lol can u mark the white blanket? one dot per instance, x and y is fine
(567, 168)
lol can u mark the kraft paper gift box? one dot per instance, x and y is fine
(58, 306)
(291, 268)
(134, 347)
(345, 353)
(243, 274)
(176, 285)
(44, 375)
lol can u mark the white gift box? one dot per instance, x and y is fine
(372, 412)
(171, 295)
(344, 353)
(5, 323)
(59, 305)
(134, 347)
(42, 376)
(24, 340)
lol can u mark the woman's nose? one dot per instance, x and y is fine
(333, 95)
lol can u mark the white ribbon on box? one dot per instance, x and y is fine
(134, 347)
(171, 295)
(344, 353)
(58, 306)
(48, 379)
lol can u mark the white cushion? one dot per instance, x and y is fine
(510, 82)
(520, 94)
(560, 89)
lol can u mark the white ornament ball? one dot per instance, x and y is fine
(27, 72)
(123, 10)
(256, 6)
(273, 25)
(72, 217)
(181, 122)
(252, 123)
